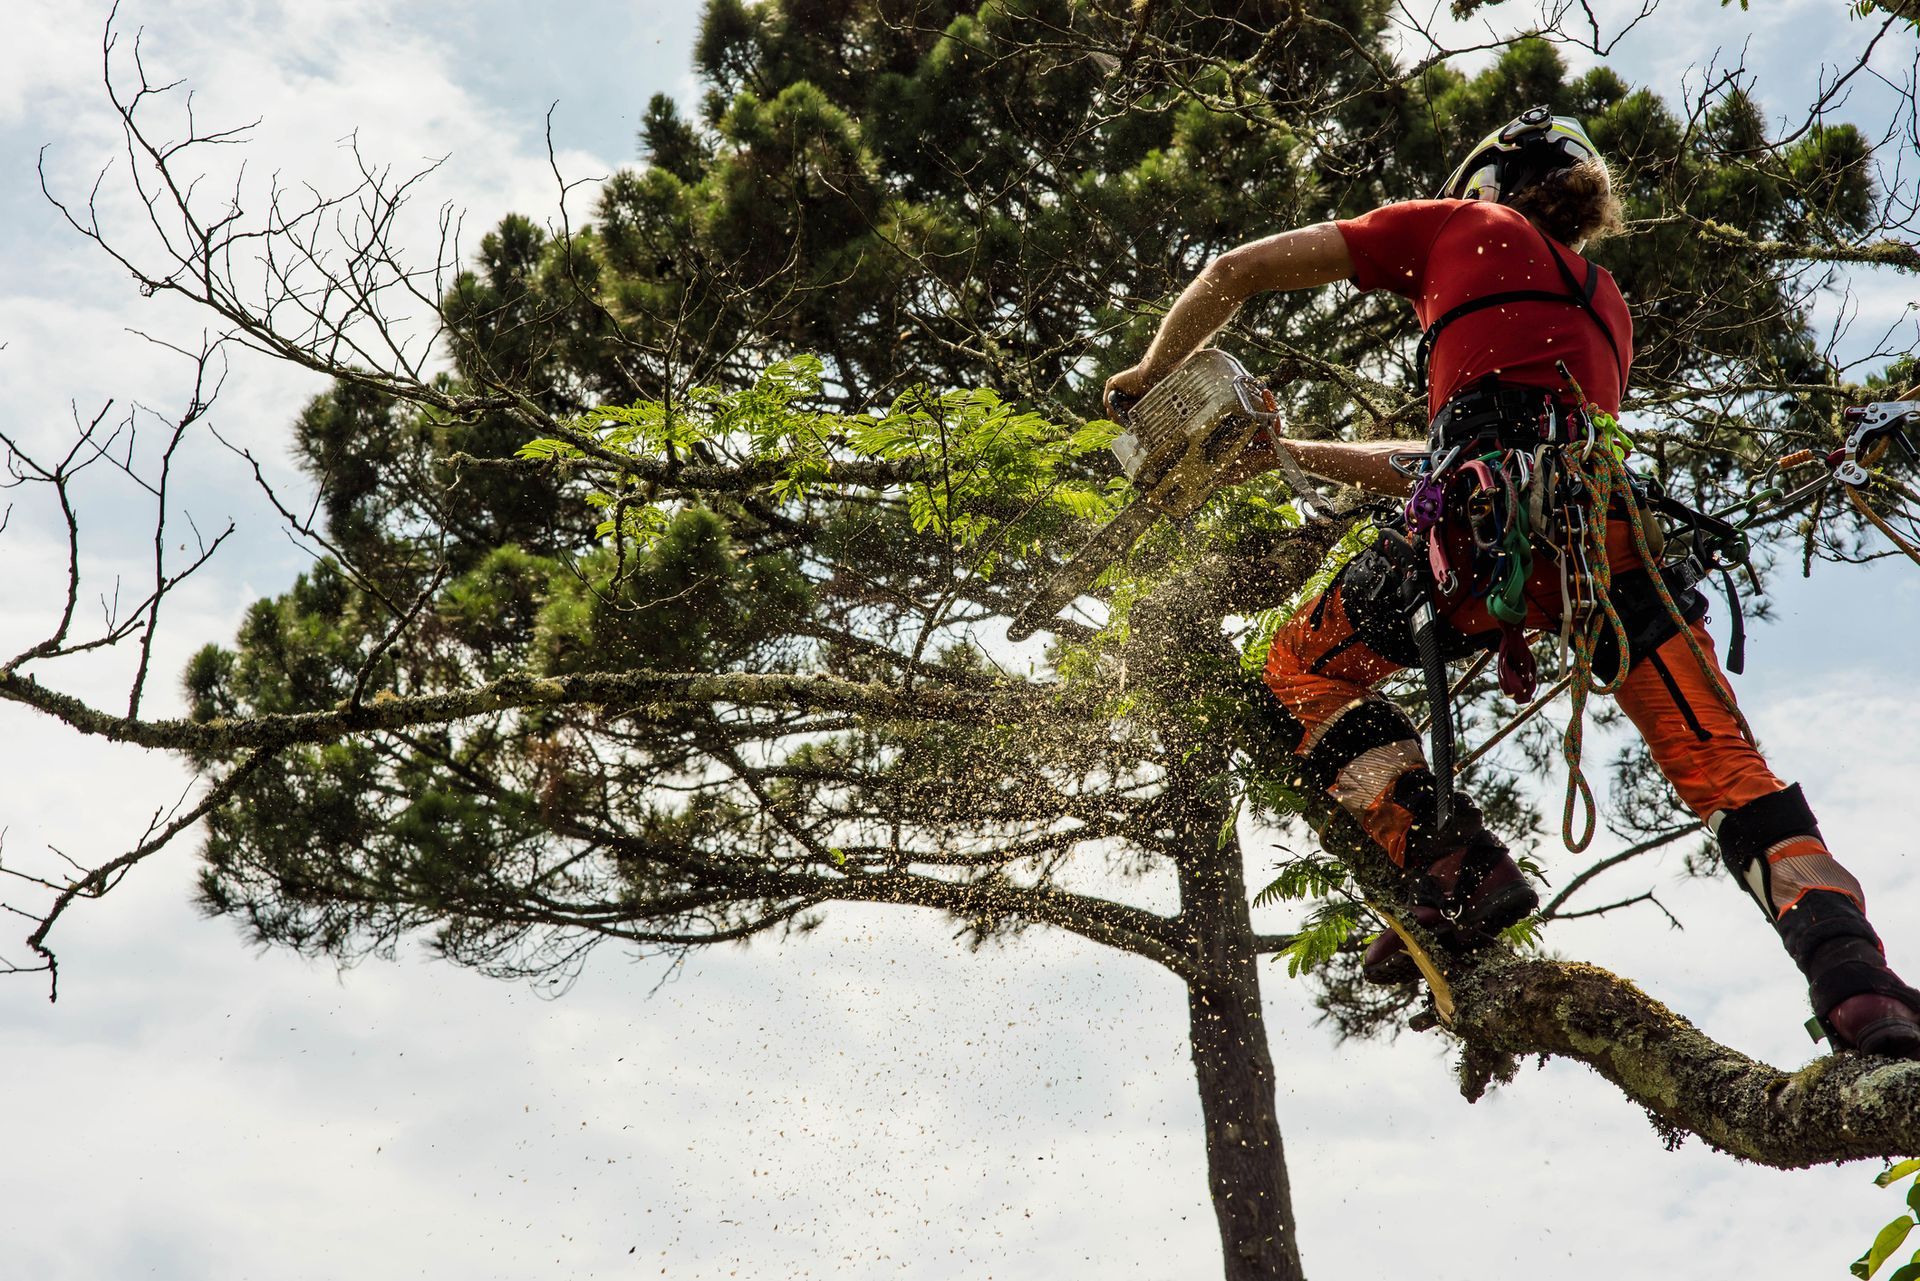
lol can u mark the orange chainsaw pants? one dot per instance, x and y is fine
(1360, 748)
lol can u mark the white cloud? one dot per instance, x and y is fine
(43, 62)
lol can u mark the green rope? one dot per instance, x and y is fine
(1508, 602)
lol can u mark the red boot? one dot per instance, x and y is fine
(1878, 1014)
(1465, 897)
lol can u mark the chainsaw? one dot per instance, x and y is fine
(1179, 439)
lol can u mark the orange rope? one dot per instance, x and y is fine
(1893, 536)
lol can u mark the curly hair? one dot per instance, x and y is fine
(1573, 204)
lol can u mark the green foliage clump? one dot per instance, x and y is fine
(1887, 1242)
(693, 568)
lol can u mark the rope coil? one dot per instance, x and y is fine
(1603, 475)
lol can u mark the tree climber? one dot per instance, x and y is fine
(1526, 353)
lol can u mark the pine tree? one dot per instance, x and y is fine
(667, 617)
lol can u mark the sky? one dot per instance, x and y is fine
(874, 1100)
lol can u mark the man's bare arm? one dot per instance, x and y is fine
(1305, 258)
(1301, 259)
(1362, 464)
(1359, 463)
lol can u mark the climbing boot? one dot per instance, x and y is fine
(1860, 1002)
(1774, 849)
(1465, 898)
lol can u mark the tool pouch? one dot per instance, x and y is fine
(1646, 620)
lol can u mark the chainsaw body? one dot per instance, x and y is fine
(1179, 439)
(1209, 401)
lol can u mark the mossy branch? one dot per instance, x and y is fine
(634, 691)
(1898, 254)
(1841, 1108)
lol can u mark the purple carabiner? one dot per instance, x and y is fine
(1426, 504)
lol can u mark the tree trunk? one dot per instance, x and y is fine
(1246, 1164)
(1177, 646)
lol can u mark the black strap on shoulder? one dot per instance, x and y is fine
(1578, 294)
(1467, 308)
(1581, 295)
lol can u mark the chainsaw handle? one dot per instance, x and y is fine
(1119, 406)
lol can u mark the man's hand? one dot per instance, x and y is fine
(1130, 385)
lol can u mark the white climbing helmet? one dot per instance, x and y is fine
(1533, 143)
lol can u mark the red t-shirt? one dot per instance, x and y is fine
(1441, 253)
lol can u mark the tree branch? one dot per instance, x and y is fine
(1840, 1108)
(1898, 254)
(627, 690)
(1129, 929)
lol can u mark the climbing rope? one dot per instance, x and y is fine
(1598, 480)
(1508, 498)
(1602, 475)
(1868, 459)
(1879, 523)
(1601, 479)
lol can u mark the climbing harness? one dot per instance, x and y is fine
(1488, 472)
(1513, 474)
(1688, 546)
(1579, 292)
